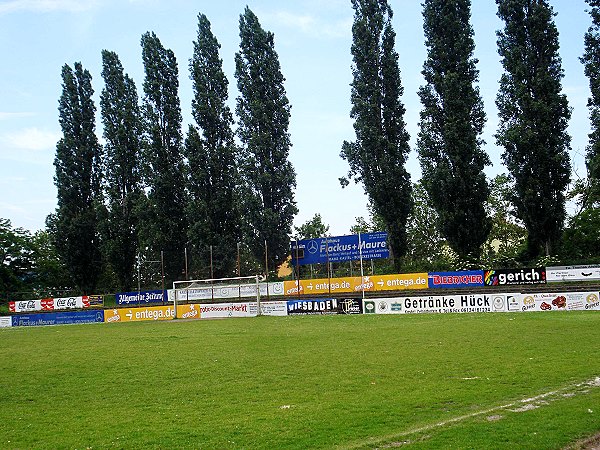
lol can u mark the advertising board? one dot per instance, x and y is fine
(220, 310)
(59, 318)
(504, 277)
(139, 314)
(25, 306)
(69, 303)
(468, 303)
(323, 306)
(467, 278)
(573, 273)
(340, 248)
(191, 311)
(96, 300)
(5, 322)
(567, 301)
(141, 298)
(278, 308)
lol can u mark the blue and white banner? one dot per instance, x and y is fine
(141, 298)
(340, 248)
(466, 278)
(313, 306)
(62, 318)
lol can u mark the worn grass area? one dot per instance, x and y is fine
(427, 381)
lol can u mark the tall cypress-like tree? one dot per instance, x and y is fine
(533, 120)
(452, 121)
(264, 115)
(78, 179)
(591, 61)
(163, 158)
(213, 181)
(122, 176)
(377, 158)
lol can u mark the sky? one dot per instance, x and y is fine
(312, 39)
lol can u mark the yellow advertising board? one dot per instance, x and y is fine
(398, 282)
(139, 314)
(346, 285)
(191, 311)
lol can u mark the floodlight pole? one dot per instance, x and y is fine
(238, 260)
(186, 263)
(362, 274)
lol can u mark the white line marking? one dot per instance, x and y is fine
(566, 391)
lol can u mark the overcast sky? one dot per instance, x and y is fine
(312, 38)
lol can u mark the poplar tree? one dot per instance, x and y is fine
(165, 223)
(264, 115)
(122, 132)
(591, 62)
(378, 155)
(534, 117)
(78, 180)
(213, 181)
(452, 120)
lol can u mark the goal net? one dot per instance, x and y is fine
(219, 290)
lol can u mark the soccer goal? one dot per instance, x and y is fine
(219, 289)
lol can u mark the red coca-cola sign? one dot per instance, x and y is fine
(48, 304)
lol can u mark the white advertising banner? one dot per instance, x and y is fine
(217, 310)
(71, 303)
(271, 308)
(567, 301)
(466, 303)
(229, 291)
(572, 273)
(5, 322)
(25, 306)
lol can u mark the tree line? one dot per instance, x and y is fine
(153, 193)
(224, 190)
(533, 112)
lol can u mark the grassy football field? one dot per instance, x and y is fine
(528, 380)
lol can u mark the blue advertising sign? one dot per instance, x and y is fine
(340, 248)
(465, 278)
(61, 318)
(141, 298)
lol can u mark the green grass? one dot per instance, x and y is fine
(302, 382)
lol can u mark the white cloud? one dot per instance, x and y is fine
(32, 139)
(14, 115)
(42, 6)
(309, 24)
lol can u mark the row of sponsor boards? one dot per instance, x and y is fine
(53, 304)
(472, 303)
(195, 311)
(227, 291)
(434, 280)
(476, 303)
(398, 282)
(326, 286)
(356, 284)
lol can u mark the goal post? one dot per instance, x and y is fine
(218, 289)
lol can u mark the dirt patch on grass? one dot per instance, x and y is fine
(592, 443)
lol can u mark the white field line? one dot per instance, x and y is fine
(595, 382)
